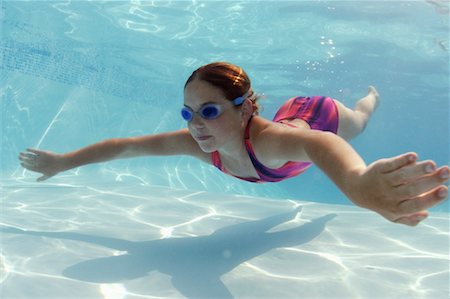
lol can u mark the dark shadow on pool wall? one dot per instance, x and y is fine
(195, 264)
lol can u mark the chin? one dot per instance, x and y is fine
(207, 147)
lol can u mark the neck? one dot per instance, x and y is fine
(235, 149)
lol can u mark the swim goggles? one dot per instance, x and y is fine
(210, 110)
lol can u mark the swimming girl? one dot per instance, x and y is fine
(225, 130)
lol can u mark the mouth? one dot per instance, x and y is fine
(203, 138)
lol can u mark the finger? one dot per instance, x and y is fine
(29, 166)
(410, 172)
(392, 164)
(424, 201)
(23, 157)
(444, 172)
(412, 220)
(422, 184)
(29, 162)
(26, 157)
(34, 151)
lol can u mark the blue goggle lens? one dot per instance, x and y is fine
(187, 114)
(209, 111)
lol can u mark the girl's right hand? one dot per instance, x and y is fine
(45, 162)
(401, 189)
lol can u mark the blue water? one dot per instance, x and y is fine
(77, 72)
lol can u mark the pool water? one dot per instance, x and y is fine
(77, 72)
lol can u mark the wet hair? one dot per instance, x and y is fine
(230, 78)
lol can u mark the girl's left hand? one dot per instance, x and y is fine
(401, 189)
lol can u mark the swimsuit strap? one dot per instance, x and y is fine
(215, 157)
(265, 173)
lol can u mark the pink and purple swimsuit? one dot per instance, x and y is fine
(319, 112)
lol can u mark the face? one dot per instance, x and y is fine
(213, 134)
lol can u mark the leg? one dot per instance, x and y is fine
(353, 121)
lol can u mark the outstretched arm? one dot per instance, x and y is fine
(172, 143)
(400, 189)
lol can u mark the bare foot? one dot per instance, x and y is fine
(374, 91)
(369, 103)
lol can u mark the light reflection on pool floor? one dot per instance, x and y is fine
(131, 241)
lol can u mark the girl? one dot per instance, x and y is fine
(225, 130)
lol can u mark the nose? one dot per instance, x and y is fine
(197, 121)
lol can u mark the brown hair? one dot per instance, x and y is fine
(230, 78)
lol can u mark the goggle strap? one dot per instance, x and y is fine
(239, 100)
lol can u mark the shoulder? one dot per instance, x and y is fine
(276, 143)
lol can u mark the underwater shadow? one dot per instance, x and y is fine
(195, 264)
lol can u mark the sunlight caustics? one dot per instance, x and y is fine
(113, 291)
(77, 72)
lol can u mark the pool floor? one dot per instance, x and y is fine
(131, 241)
